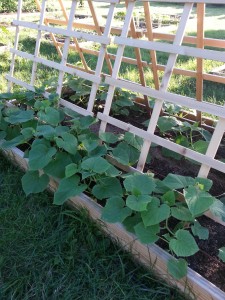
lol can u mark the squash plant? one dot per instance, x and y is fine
(59, 143)
(122, 101)
(183, 133)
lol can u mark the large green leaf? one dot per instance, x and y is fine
(12, 132)
(28, 132)
(201, 146)
(68, 187)
(56, 167)
(20, 116)
(109, 137)
(46, 131)
(68, 142)
(90, 144)
(183, 244)
(101, 150)
(204, 184)
(71, 169)
(198, 201)
(122, 153)
(96, 164)
(71, 113)
(32, 182)
(61, 129)
(115, 210)
(138, 203)
(177, 268)
(31, 123)
(107, 188)
(40, 156)
(50, 116)
(200, 231)
(133, 140)
(218, 209)
(13, 143)
(86, 122)
(139, 184)
(155, 213)
(169, 198)
(167, 123)
(124, 102)
(133, 156)
(181, 213)
(112, 172)
(174, 182)
(131, 222)
(147, 235)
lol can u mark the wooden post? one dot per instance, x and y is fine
(16, 42)
(66, 47)
(38, 43)
(102, 54)
(117, 63)
(139, 62)
(51, 34)
(99, 31)
(149, 34)
(200, 62)
(74, 39)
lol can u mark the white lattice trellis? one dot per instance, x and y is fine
(130, 36)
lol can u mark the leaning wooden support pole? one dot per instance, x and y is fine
(77, 46)
(149, 34)
(16, 42)
(51, 34)
(139, 63)
(200, 62)
(150, 255)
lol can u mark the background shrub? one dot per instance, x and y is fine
(7, 6)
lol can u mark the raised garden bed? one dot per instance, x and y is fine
(44, 129)
(150, 255)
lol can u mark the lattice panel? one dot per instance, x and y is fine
(162, 95)
(63, 67)
(130, 36)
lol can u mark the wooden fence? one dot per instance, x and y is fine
(128, 35)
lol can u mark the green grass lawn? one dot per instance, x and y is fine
(50, 252)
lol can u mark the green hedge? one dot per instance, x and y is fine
(12, 5)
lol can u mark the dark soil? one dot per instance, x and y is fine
(206, 262)
(161, 166)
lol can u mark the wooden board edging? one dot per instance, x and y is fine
(150, 255)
